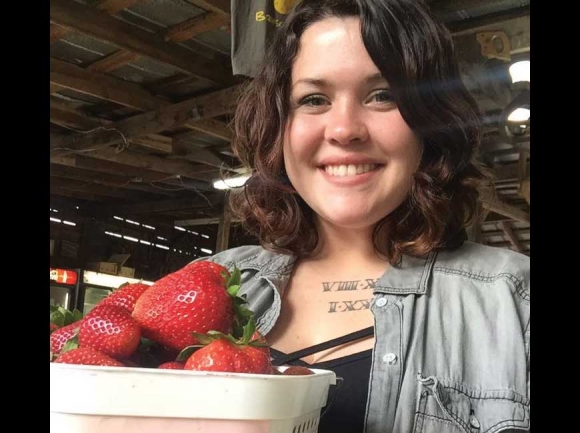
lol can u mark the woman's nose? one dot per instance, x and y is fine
(346, 125)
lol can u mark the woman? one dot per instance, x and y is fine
(361, 138)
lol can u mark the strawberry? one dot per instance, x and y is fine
(172, 365)
(87, 356)
(297, 370)
(199, 297)
(224, 353)
(125, 296)
(59, 337)
(111, 330)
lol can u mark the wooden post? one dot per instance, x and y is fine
(223, 234)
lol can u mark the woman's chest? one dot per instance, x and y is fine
(316, 310)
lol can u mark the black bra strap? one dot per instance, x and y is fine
(357, 335)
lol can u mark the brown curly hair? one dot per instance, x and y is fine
(415, 54)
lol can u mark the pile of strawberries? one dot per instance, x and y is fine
(192, 319)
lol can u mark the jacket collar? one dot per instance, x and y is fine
(411, 276)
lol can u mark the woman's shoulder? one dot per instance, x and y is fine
(485, 263)
(255, 257)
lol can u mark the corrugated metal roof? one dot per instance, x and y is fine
(144, 70)
(165, 13)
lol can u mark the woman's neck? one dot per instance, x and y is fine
(345, 247)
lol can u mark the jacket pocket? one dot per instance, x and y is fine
(453, 408)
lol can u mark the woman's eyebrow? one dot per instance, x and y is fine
(321, 82)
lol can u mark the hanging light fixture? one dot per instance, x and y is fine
(515, 118)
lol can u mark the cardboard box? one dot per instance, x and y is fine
(103, 267)
(114, 266)
(124, 271)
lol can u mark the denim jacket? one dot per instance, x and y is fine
(452, 337)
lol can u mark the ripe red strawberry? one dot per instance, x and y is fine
(59, 337)
(172, 365)
(224, 353)
(87, 356)
(125, 296)
(111, 330)
(197, 298)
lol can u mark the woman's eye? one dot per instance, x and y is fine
(313, 101)
(381, 96)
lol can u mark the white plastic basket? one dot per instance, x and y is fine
(89, 399)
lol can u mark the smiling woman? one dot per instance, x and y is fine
(361, 139)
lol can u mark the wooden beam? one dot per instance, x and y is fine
(223, 234)
(100, 85)
(114, 6)
(199, 108)
(205, 156)
(55, 88)
(492, 233)
(145, 176)
(63, 115)
(197, 222)
(218, 6)
(113, 61)
(106, 179)
(203, 221)
(85, 196)
(93, 188)
(134, 96)
(100, 25)
(502, 208)
(212, 127)
(507, 171)
(195, 26)
(57, 32)
(159, 206)
(154, 142)
(148, 162)
(507, 228)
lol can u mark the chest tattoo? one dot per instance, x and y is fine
(335, 306)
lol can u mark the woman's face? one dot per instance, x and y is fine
(347, 150)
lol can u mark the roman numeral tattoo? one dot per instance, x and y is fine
(342, 286)
(345, 306)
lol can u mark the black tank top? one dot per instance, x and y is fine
(346, 406)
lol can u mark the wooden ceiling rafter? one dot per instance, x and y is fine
(105, 179)
(173, 182)
(148, 162)
(132, 95)
(102, 26)
(154, 121)
(109, 6)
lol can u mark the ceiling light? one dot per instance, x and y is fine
(520, 71)
(519, 115)
(232, 182)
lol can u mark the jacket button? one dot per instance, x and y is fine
(381, 302)
(390, 358)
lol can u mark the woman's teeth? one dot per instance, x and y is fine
(349, 170)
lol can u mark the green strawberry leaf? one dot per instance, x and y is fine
(72, 343)
(203, 339)
(57, 318)
(235, 278)
(249, 329)
(187, 352)
(76, 315)
(233, 290)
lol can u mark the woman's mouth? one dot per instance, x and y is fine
(346, 170)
